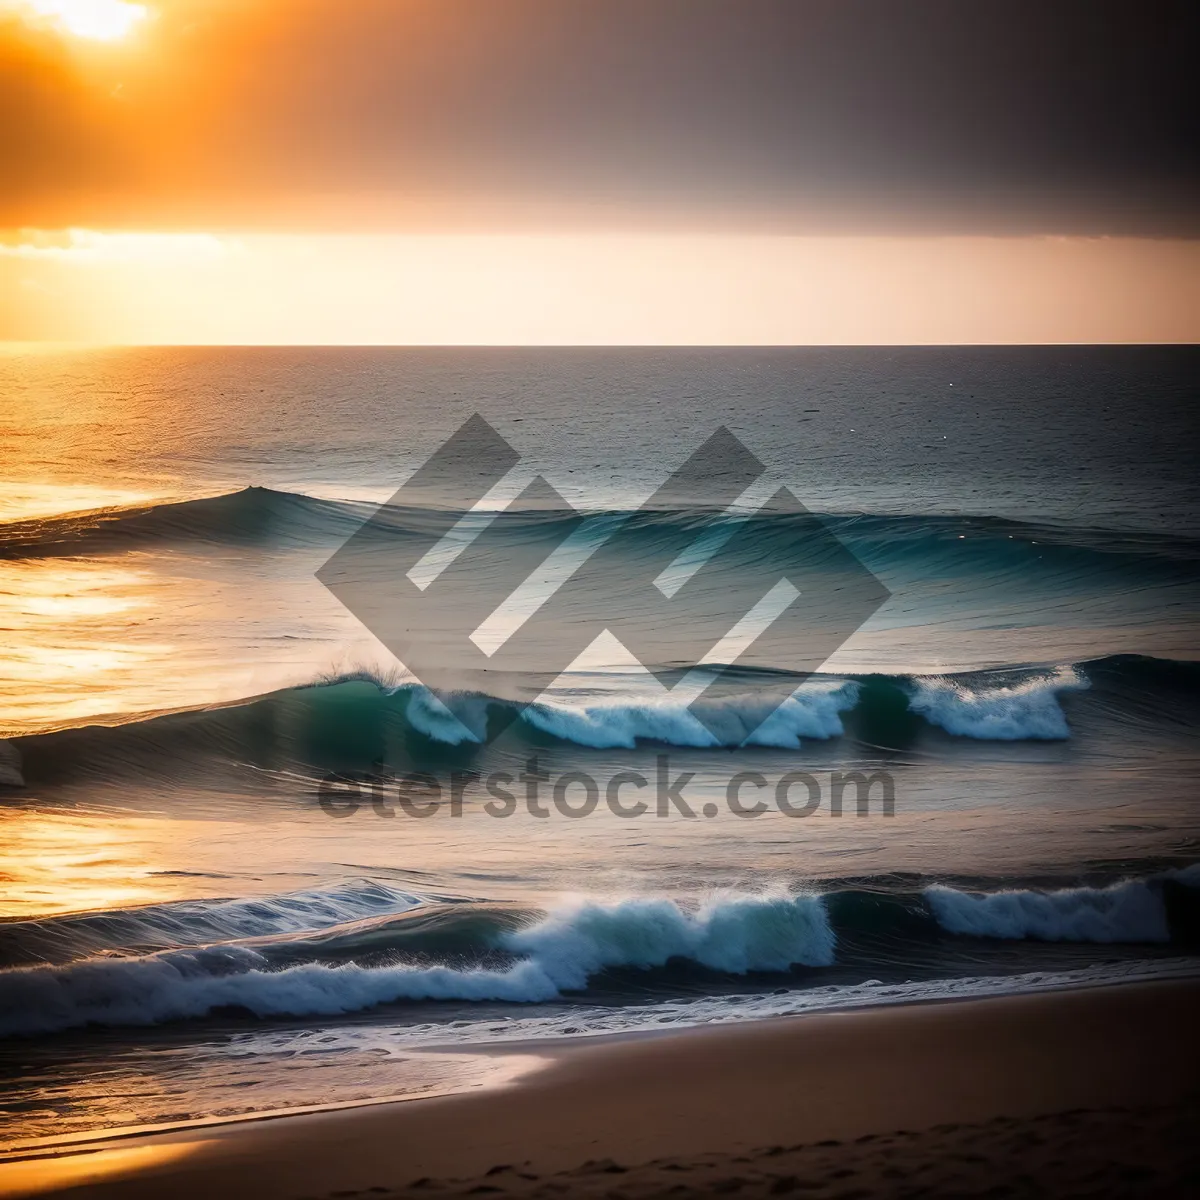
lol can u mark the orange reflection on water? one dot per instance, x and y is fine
(30, 501)
(26, 588)
(57, 863)
(37, 1176)
(75, 606)
(50, 663)
(74, 643)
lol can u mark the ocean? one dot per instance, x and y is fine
(251, 863)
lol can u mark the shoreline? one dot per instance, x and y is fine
(524, 1053)
(711, 1099)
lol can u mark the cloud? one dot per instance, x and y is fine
(789, 115)
(91, 246)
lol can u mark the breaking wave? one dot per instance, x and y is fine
(813, 711)
(353, 722)
(359, 945)
(558, 953)
(1025, 710)
(1130, 911)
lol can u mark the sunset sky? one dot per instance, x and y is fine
(550, 171)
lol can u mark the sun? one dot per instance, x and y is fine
(97, 20)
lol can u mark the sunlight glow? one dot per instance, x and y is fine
(67, 862)
(97, 20)
(21, 501)
(375, 288)
(89, 245)
(36, 1175)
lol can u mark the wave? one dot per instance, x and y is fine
(265, 516)
(356, 723)
(560, 953)
(251, 516)
(10, 765)
(1131, 911)
(1025, 710)
(733, 934)
(410, 949)
(813, 711)
(197, 922)
(984, 706)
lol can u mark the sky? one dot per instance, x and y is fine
(597, 171)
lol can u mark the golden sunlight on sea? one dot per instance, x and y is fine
(26, 501)
(57, 862)
(71, 654)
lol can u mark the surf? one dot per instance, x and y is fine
(360, 720)
(362, 945)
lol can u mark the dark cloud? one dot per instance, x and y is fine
(945, 115)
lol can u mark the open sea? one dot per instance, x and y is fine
(250, 863)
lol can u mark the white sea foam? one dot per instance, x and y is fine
(812, 711)
(1188, 876)
(1029, 709)
(582, 1020)
(452, 720)
(736, 933)
(1125, 912)
(1025, 710)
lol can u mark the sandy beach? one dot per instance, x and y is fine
(1091, 1092)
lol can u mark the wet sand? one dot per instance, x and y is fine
(1087, 1093)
